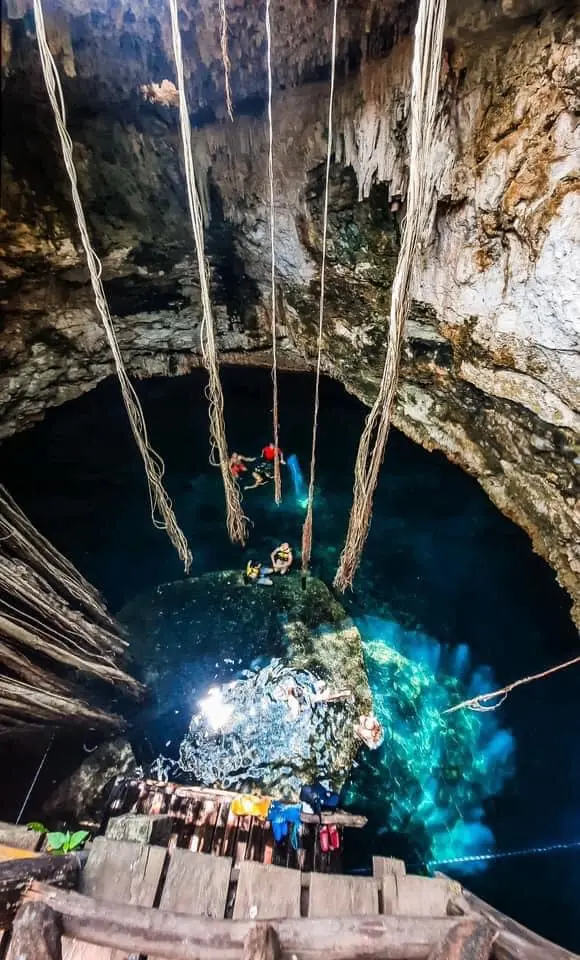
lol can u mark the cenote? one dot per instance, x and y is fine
(447, 583)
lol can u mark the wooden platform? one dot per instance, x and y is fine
(204, 885)
(149, 900)
(201, 820)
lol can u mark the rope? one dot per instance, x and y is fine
(34, 779)
(425, 81)
(226, 58)
(161, 507)
(277, 479)
(480, 703)
(235, 519)
(307, 528)
(505, 854)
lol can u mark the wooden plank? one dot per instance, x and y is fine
(340, 817)
(140, 828)
(388, 894)
(197, 839)
(383, 866)
(266, 891)
(35, 934)
(514, 941)
(421, 897)
(331, 895)
(120, 871)
(220, 830)
(12, 835)
(175, 936)
(262, 943)
(208, 829)
(229, 844)
(268, 851)
(469, 940)
(244, 827)
(16, 853)
(15, 875)
(197, 884)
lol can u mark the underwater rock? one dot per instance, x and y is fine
(82, 796)
(221, 657)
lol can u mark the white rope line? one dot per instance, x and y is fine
(235, 519)
(277, 479)
(307, 528)
(426, 67)
(482, 703)
(161, 508)
(226, 57)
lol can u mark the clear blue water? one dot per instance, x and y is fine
(445, 579)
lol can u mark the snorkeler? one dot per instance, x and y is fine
(259, 477)
(269, 453)
(238, 463)
(256, 573)
(282, 558)
(369, 730)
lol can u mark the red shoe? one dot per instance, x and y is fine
(334, 837)
(323, 836)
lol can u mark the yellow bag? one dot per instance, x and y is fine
(248, 806)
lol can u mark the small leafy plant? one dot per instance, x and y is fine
(59, 842)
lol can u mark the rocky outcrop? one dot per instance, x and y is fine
(243, 667)
(490, 367)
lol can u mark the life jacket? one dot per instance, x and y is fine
(282, 554)
(247, 805)
(285, 817)
(253, 569)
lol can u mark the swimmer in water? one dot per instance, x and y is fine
(259, 477)
(256, 573)
(269, 454)
(282, 558)
(369, 730)
(238, 464)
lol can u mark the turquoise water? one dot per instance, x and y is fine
(446, 582)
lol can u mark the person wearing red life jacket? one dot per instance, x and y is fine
(269, 453)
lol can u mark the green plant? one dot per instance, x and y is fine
(58, 842)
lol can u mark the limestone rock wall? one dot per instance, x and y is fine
(490, 366)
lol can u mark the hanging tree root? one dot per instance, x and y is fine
(307, 528)
(235, 520)
(162, 513)
(275, 410)
(53, 626)
(426, 68)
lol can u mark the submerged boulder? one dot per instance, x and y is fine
(238, 674)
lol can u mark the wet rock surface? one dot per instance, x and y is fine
(490, 365)
(221, 658)
(83, 795)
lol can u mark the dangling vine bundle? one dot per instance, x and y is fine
(426, 68)
(52, 624)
